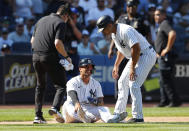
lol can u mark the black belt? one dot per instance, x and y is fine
(44, 53)
(150, 47)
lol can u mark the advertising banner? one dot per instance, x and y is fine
(18, 81)
(19, 78)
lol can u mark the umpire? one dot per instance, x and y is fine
(47, 44)
(164, 43)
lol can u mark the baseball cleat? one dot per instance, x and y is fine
(135, 120)
(39, 120)
(56, 114)
(117, 117)
(83, 116)
(162, 104)
(174, 104)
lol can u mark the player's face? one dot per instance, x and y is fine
(158, 16)
(86, 71)
(132, 9)
(107, 30)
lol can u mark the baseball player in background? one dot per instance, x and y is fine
(84, 97)
(142, 57)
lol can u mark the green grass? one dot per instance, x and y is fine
(20, 114)
(171, 112)
(151, 84)
(99, 127)
(28, 115)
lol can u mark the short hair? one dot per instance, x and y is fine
(161, 10)
(64, 9)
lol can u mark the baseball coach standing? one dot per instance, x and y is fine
(142, 57)
(47, 44)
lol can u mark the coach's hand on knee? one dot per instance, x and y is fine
(132, 75)
(115, 74)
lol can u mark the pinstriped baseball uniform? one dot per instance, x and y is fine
(125, 37)
(92, 89)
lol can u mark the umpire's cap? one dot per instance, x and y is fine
(103, 21)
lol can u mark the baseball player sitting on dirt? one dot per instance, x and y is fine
(84, 97)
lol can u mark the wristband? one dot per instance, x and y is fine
(66, 56)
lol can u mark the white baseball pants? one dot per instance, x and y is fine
(143, 67)
(94, 112)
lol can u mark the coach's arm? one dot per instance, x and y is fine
(135, 54)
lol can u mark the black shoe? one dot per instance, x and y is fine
(162, 104)
(173, 104)
(57, 115)
(39, 120)
(134, 120)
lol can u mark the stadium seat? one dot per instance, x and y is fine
(21, 47)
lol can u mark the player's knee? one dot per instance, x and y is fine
(71, 113)
(69, 118)
(120, 81)
(68, 108)
(120, 84)
(133, 84)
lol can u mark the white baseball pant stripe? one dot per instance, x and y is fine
(143, 67)
(93, 112)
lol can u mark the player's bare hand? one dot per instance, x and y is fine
(115, 74)
(71, 21)
(69, 60)
(157, 55)
(77, 106)
(164, 51)
(132, 75)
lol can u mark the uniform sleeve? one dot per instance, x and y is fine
(130, 37)
(60, 32)
(71, 85)
(99, 90)
(166, 27)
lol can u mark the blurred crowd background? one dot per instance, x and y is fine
(18, 17)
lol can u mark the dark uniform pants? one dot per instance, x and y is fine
(167, 89)
(58, 77)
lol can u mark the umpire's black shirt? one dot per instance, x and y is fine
(137, 22)
(47, 29)
(162, 36)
